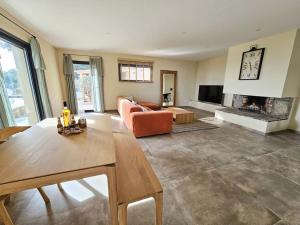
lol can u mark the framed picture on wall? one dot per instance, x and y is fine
(251, 64)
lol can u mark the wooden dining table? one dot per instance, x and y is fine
(40, 156)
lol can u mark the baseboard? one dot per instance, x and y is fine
(111, 111)
(294, 131)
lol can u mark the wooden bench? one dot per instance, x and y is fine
(9, 131)
(136, 179)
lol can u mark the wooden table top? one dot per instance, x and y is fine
(40, 151)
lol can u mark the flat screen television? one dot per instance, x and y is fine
(211, 93)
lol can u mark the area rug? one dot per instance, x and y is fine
(195, 126)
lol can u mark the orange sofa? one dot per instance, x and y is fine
(144, 123)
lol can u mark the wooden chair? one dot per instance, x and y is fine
(4, 135)
(7, 132)
(136, 179)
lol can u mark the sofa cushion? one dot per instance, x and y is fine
(151, 123)
(129, 98)
(144, 108)
(150, 105)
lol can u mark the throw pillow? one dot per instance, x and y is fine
(144, 109)
(130, 98)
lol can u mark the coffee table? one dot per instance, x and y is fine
(181, 115)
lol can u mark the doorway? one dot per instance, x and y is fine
(84, 86)
(168, 87)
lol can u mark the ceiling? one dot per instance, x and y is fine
(183, 29)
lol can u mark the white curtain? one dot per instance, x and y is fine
(97, 81)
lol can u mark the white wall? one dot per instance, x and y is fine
(49, 54)
(280, 74)
(292, 83)
(295, 117)
(210, 72)
(143, 91)
(278, 51)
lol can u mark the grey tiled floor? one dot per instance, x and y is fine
(223, 176)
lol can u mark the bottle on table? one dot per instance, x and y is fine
(66, 115)
(72, 124)
(82, 122)
(73, 121)
(60, 128)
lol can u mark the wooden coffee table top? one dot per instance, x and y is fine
(176, 110)
(181, 115)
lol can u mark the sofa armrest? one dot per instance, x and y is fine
(151, 123)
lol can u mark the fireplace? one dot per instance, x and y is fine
(262, 114)
(267, 106)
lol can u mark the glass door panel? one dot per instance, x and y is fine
(18, 83)
(84, 87)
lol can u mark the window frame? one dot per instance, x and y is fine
(12, 39)
(132, 63)
(81, 62)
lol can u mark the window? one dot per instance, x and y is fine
(83, 86)
(135, 71)
(20, 80)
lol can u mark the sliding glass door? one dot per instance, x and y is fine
(84, 86)
(17, 76)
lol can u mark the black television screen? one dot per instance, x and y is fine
(211, 93)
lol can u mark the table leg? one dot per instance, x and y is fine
(7, 200)
(60, 187)
(4, 214)
(112, 189)
(159, 208)
(44, 196)
(122, 214)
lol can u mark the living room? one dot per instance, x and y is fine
(136, 113)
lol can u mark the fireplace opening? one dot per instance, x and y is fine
(253, 103)
(268, 106)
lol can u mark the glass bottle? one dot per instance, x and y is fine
(73, 121)
(60, 128)
(66, 115)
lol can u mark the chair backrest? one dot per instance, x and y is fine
(7, 132)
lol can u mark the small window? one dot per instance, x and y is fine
(135, 71)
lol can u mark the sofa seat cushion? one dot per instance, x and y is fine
(150, 105)
(144, 108)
